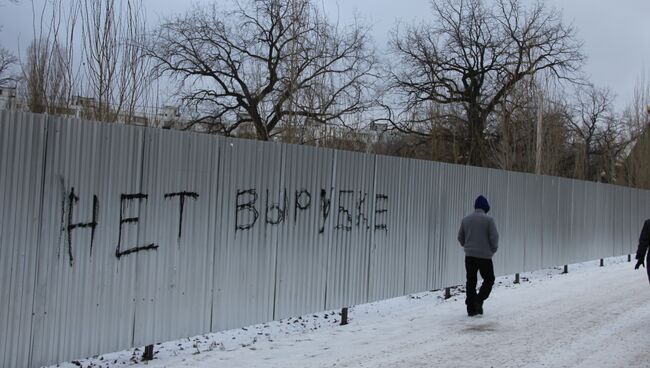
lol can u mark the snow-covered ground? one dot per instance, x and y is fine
(591, 317)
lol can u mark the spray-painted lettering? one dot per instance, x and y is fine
(125, 200)
(182, 196)
(72, 200)
(352, 209)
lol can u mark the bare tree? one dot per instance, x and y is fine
(513, 141)
(47, 71)
(588, 119)
(7, 61)
(611, 142)
(558, 153)
(635, 166)
(472, 56)
(90, 49)
(266, 63)
(117, 72)
(35, 75)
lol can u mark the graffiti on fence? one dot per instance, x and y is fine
(351, 205)
(352, 213)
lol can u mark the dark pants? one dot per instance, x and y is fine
(485, 267)
(647, 264)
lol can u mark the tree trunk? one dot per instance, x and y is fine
(477, 139)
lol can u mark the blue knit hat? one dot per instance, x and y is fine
(482, 203)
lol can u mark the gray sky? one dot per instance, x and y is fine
(616, 34)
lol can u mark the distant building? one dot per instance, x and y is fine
(168, 116)
(7, 98)
(83, 102)
(86, 108)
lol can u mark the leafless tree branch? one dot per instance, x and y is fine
(267, 62)
(472, 56)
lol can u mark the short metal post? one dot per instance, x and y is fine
(344, 316)
(516, 278)
(602, 262)
(148, 353)
(629, 258)
(566, 269)
(447, 293)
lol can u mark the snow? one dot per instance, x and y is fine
(591, 317)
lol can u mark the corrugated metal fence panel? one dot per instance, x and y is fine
(627, 246)
(578, 221)
(616, 234)
(84, 303)
(590, 241)
(22, 139)
(251, 201)
(266, 231)
(533, 225)
(477, 182)
(636, 220)
(566, 250)
(349, 258)
(645, 210)
(592, 235)
(631, 226)
(604, 235)
(422, 227)
(303, 250)
(497, 194)
(550, 221)
(619, 231)
(643, 213)
(388, 248)
(454, 205)
(513, 237)
(628, 234)
(174, 281)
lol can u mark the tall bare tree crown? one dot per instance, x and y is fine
(265, 62)
(472, 55)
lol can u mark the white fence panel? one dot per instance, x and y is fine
(115, 236)
(179, 212)
(22, 148)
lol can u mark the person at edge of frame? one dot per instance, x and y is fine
(480, 240)
(644, 243)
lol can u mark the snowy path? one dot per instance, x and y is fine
(595, 317)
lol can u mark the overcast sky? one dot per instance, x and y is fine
(616, 34)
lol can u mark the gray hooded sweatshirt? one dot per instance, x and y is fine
(478, 235)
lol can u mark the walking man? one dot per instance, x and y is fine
(479, 237)
(644, 243)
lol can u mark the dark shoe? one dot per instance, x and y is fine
(479, 307)
(471, 311)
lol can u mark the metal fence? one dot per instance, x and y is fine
(116, 236)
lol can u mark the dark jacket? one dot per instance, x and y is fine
(478, 235)
(644, 241)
